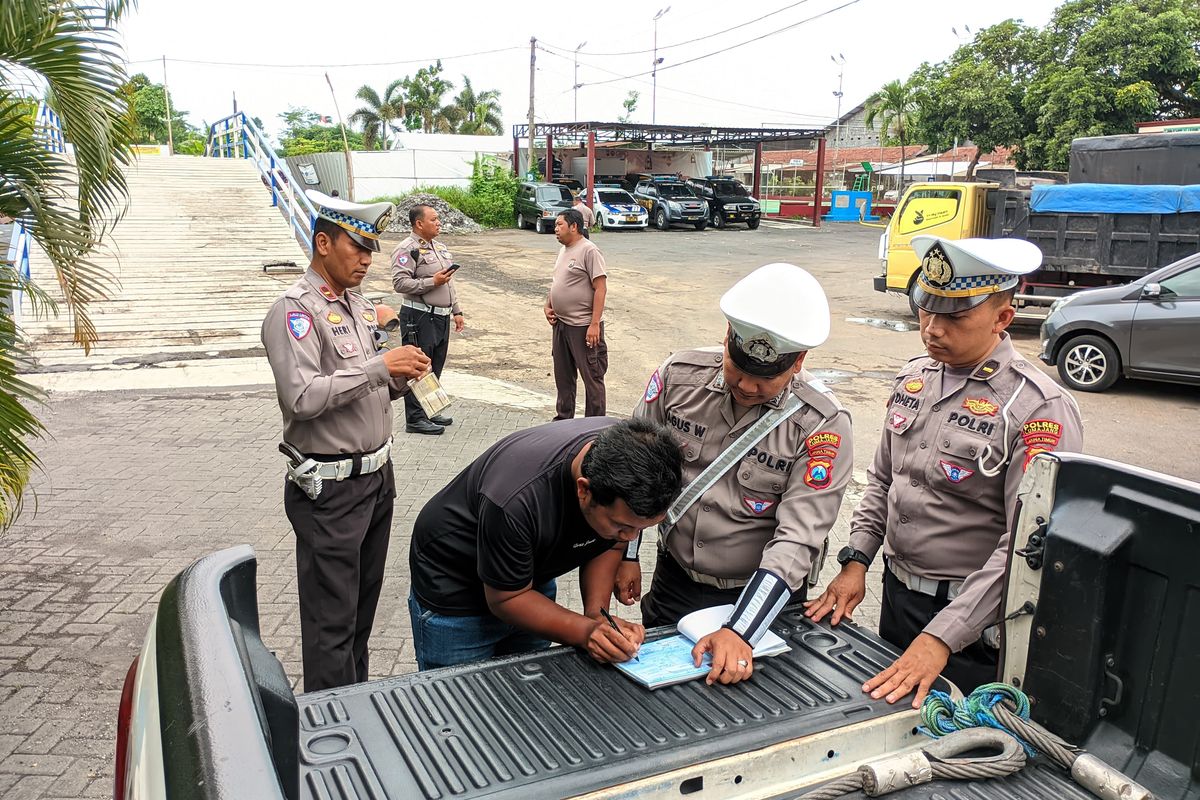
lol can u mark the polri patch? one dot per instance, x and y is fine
(756, 506)
(914, 386)
(653, 388)
(819, 473)
(955, 473)
(333, 317)
(403, 260)
(299, 324)
(981, 406)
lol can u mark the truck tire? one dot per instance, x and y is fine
(661, 220)
(539, 227)
(521, 223)
(752, 224)
(1088, 364)
(702, 224)
(716, 219)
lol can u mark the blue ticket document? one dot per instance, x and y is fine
(668, 661)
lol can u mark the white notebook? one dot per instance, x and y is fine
(668, 661)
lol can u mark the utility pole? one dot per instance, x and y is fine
(577, 83)
(840, 60)
(532, 69)
(167, 96)
(654, 68)
(345, 142)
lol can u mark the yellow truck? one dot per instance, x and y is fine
(1084, 244)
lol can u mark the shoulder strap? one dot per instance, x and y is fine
(731, 455)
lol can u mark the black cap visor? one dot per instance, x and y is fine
(363, 241)
(936, 304)
(760, 369)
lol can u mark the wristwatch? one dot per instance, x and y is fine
(848, 554)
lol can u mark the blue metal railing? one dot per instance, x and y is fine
(236, 136)
(47, 129)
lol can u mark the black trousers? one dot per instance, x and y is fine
(674, 595)
(431, 333)
(571, 356)
(341, 548)
(905, 614)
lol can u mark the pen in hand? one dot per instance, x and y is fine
(608, 618)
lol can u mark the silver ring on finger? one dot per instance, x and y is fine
(743, 663)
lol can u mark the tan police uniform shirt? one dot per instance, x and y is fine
(414, 279)
(571, 291)
(775, 508)
(589, 216)
(928, 501)
(333, 387)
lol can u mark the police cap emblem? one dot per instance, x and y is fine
(937, 267)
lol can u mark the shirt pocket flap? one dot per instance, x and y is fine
(899, 419)
(964, 447)
(761, 481)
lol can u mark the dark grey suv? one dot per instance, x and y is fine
(1146, 329)
(537, 204)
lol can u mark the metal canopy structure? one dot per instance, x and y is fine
(620, 134)
(609, 133)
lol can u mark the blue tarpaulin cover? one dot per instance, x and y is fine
(1114, 198)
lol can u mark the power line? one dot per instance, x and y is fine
(731, 47)
(311, 65)
(689, 41)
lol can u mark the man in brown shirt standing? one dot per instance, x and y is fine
(962, 425)
(589, 216)
(335, 386)
(423, 271)
(575, 311)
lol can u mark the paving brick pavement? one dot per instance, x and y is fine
(135, 487)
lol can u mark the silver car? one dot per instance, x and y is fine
(1146, 329)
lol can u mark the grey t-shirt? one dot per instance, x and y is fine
(510, 519)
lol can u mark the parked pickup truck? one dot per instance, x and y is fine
(1103, 633)
(1080, 249)
(671, 202)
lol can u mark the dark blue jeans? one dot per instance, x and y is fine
(441, 640)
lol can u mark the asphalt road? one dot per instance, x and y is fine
(664, 289)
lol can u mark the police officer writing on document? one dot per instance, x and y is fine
(767, 456)
(335, 386)
(423, 271)
(962, 425)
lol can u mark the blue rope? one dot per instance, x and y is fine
(941, 715)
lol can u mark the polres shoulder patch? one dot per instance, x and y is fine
(299, 324)
(653, 388)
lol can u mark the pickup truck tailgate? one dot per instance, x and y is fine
(556, 724)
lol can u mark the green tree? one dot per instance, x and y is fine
(895, 106)
(377, 116)
(1107, 64)
(148, 109)
(630, 103)
(425, 90)
(475, 112)
(978, 94)
(67, 204)
(303, 134)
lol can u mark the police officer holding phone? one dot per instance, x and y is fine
(423, 271)
(335, 385)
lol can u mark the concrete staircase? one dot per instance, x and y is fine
(188, 256)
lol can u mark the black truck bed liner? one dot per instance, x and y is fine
(556, 724)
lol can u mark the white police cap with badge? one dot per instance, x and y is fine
(363, 222)
(775, 313)
(959, 274)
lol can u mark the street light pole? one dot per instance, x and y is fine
(577, 83)
(840, 60)
(654, 69)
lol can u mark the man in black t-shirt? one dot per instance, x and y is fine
(539, 503)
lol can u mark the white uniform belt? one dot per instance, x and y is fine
(917, 583)
(441, 311)
(369, 462)
(700, 577)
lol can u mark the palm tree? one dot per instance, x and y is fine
(895, 105)
(70, 51)
(475, 112)
(377, 116)
(425, 110)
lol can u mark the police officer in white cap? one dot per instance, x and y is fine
(335, 385)
(962, 425)
(767, 456)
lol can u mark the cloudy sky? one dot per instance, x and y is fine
(724, 63)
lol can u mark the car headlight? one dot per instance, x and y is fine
(671, 204)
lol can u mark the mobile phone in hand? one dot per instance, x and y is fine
(453, 267)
